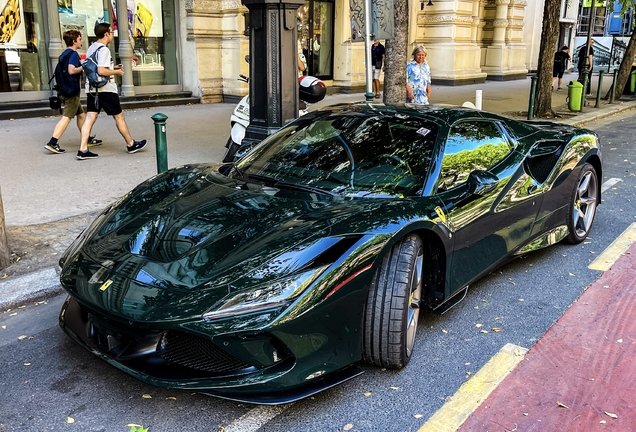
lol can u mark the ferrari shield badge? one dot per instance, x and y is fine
(440, 213)
(105, 285)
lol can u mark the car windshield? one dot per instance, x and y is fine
(345, 153)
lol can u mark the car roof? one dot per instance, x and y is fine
(441, 114)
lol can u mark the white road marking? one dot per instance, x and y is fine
(608, 184)
(255, 418)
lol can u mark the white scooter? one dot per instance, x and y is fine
(311, 90)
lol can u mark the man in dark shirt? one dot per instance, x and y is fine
(586, 64)
(560, 64)
(377, 60)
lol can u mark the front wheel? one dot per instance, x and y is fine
(583, 203)
(232, 148)
(393, 306)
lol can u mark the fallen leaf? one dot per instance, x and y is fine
(367, 394)
(23, 337)
(133, 425)
(417, 415)
(619, 340)
(521, 300)
(478, 325)
(467, 364)
(483, 331)
(394, 388)
(603, 422)
(612, 415)
(347, 427)
(171, 398)
(27, 364)
(444, 331)
(476, 307)
(21, 307)
(496, 329)
(572, 274)
(4, 327)
(146, 396)
(70, 420)
(560, 405)
(13, 314)
(525, 414)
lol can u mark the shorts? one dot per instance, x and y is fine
(376, 73)
(558, 73)
(106, 100)
(72, 106)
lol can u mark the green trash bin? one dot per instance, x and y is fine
(575, 92)
(632, 83)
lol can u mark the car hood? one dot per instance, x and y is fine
(185, 235)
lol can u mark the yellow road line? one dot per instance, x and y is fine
(613, 252)
(474, 391)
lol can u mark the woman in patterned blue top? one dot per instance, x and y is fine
(418, 78)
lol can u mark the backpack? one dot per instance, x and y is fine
(65, 84)
(90, 66)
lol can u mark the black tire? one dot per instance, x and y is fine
(232, 148)
(583, 203)
(393, 306)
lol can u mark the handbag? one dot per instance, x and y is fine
(55, 103)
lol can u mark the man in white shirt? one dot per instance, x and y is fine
(108, 97)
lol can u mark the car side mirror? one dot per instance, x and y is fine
(481, 182)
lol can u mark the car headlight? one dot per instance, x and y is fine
(266, 296)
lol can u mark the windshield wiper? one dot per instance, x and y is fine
(273, 182)
(261, 179)
(304, 188)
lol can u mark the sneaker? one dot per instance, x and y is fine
(377, 96)
(92, 141)
(136, 146)
(54, 148)
(559, 89)
(86, 155)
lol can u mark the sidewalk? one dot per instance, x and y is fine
(46, 208)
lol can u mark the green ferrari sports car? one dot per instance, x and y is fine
(273, 278)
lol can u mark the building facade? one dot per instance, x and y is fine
(200, 45)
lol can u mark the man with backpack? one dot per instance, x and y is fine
(67, 80)
(107, 96)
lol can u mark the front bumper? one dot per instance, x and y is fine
(258, 369)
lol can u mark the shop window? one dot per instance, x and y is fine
(151, 32)
(23, 58)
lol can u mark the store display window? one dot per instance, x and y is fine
(23, 58)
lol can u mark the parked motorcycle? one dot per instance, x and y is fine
(311, 90)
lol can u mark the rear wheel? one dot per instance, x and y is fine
(393, 306)
(583, 204)
(232, 148)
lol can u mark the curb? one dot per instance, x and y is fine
(29, 287)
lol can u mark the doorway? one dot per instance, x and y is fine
(315, 37)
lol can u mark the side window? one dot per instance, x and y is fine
(470, 146)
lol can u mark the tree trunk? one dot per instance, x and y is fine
(549, 34)
(5, 256)
(396, 57)
(625, 68)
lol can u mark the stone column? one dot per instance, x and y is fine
(125, 49)
(273, 66)
(56, 44)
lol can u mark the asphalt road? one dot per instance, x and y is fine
(47, 379)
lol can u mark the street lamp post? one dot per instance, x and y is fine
(273, 66)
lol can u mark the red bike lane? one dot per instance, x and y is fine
(581, 375)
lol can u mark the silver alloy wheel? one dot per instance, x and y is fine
(414, 303)
(585, 204)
